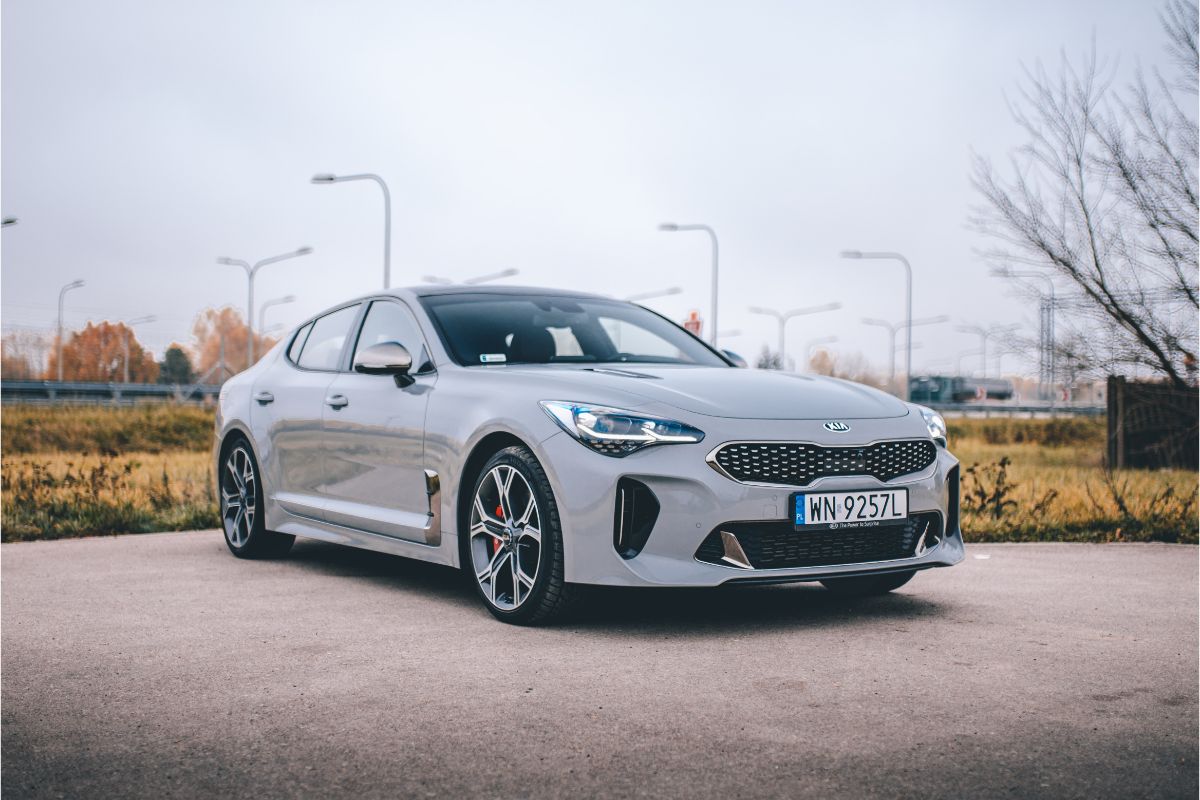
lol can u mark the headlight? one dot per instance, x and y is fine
(618, 433)
(935, 424)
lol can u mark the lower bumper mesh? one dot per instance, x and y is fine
(778, 545)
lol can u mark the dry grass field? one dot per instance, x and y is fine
(56, 495)
(77, 471)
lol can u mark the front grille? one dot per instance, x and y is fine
(799, 464)
(777, 545)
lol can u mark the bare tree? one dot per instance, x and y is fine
(850, 366)
(769, 360)
(1104, 195)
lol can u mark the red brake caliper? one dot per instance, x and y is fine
(496, 542)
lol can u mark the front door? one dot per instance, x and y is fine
(374, 435)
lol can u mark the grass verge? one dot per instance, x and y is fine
(76, 471)
(54, 496)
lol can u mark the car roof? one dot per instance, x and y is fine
(441, 289)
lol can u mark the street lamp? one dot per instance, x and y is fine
(128, 329)
(893, 328)
(984, 334)
(784, 316)
(387, 214)
(958, 367)
(262, 311)
(907, 302)
(61, 294)
(491, 276)
(251, 271)
(637, 298)
(671, 227)
(8, 221)
(1046, 367)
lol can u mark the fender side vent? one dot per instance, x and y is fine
(635, 514)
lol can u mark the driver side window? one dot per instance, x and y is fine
(388, 321)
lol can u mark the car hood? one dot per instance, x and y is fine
(723, 392)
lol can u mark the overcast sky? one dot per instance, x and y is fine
(141, 140)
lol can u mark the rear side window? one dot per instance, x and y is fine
(323, 348)
(298, 343)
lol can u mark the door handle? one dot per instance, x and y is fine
(337, 401)
(264, 397)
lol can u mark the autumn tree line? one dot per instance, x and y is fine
(109, 352)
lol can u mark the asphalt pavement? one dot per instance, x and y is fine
(161, 666)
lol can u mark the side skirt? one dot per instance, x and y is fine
(352, 537)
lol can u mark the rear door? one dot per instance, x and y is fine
(374, 434)
(287, 406)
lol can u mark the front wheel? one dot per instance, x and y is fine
(867, 585)
(241, 507)
(514, 545)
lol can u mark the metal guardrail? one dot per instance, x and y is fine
(1007, 410)
(78, 392)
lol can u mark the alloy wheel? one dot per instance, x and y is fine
(239, 487)
(505, 537)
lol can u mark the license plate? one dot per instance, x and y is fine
(849, 509)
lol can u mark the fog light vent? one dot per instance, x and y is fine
(636, 513)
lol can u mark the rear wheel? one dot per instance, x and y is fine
(866, 585)
(241, 507)
(514, 546)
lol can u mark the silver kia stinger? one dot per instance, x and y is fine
(543, 440)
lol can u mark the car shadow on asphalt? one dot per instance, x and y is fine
(627, 611)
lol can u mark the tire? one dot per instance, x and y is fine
(868, 585)
(501, 548)
(242, 519)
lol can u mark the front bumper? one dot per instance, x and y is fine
(694, 500)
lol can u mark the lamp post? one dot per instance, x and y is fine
(958, 368)
(889, 255)
(783, 317)
(893, 328)
(1046, 367)
(128, 329)
(984, 334)
(640, 296)
(8, 221)
(491, 276)
(61, 294)
(251, 271)
(262, 311)
(387, 214)
(671, 227)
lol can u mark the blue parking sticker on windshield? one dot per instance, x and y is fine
(493, 358)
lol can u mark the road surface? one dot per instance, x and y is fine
(160, 666)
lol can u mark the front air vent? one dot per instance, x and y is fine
(635, 514)
(771, 544)
(952, 501)
(801, 463)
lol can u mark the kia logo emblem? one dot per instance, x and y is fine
(837, 427)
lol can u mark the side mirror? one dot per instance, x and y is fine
(385, 358)
(737, 360)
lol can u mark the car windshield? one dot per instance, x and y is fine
(482, 328)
